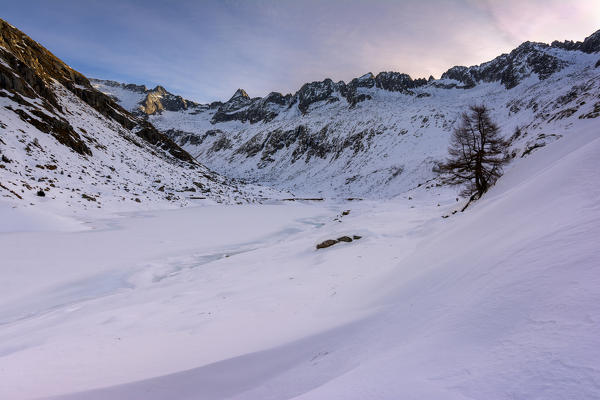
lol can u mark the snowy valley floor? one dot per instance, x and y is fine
(234, 302)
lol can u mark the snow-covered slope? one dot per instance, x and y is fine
(500, 302)
(378, 136)
(61, 138)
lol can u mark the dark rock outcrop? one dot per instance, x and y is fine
(229, 111)
(397, 82)
(242, 108)
(591, 44)
(151, 135)
(158, 99)
(314, 92)
(509, 69)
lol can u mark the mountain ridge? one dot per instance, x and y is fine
(501, 68)
(381, 134)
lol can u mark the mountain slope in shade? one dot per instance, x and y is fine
(379, 135)
(63, 139)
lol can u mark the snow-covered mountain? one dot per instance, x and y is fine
(376, 135)
(61, 139)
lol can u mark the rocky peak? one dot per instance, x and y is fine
(228, 110)
(397, 82)
(159, 99)
(159, 90)
(367, 80)
(240, 93)
(277, 98)
(509, 69)
(313, 92)
(239, 99)
(366, 77)
(591, 44)
(241, 108)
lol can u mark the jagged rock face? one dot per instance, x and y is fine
(591, 44)
(352, 92)
(397, 82)
(220, 139)
(314, 92)
(509, 69)
(365, 81)
(239, 100)
(158, 99)
(461, 74)
(306, 143)
(230, 110)
(242, 108)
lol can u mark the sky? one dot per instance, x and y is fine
(204, 50)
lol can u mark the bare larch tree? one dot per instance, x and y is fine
(477, 153)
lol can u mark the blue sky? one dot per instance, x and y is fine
(205, 50)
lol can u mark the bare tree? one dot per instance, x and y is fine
(476, 153)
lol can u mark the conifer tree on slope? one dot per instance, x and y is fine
(477, 153)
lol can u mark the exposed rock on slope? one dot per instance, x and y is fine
(510, 69)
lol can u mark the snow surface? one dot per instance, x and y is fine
(19, 219)
(128, 99)
(234, 302)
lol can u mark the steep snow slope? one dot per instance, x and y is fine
(500, 302)
(61, 138)
(379, 136)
